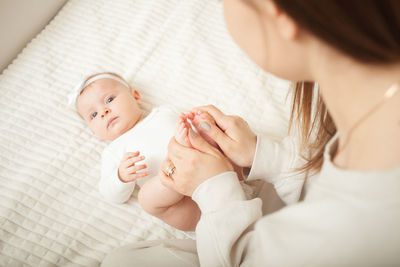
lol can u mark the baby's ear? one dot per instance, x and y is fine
(137, 96)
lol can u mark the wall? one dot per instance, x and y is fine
(20, 21)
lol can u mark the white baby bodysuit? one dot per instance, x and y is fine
(151, 137)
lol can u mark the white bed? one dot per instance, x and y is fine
(175, 52)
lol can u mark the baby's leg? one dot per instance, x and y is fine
(170, 206)
(173, 208)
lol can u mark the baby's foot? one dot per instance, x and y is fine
(182, 129)
(203, 123)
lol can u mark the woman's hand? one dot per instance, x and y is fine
(233, 135)
(192, 165)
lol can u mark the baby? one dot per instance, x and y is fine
(111, 108)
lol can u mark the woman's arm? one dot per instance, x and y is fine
(224, 229)
(226, 216)
(232, 231)
(276, 162)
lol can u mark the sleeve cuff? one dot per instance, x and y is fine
(265, 163)
(122, 186)
(214, 193)
(116, 191)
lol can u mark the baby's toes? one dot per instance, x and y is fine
(181, 135)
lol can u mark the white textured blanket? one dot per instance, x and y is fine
(173, 51)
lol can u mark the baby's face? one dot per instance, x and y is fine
(109, 108)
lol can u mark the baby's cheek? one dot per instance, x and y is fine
(97, 131)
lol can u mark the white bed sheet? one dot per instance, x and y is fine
(174, 52)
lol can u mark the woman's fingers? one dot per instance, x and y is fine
(201, 144)
(215, 133)
(193, 165)
(177, 151)
(165, 180)
(220, 118)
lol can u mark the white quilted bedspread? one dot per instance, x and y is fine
(174, 52)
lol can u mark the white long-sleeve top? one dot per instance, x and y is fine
(151, 137)
(347, 218)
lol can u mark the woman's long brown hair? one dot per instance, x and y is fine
(366, 30)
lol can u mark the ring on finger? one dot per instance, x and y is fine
(170, 170)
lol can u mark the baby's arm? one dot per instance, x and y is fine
(111, 186)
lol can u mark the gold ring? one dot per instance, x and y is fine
(170, 169)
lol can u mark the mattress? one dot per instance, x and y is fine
(175, 52)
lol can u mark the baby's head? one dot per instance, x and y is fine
(108, 105)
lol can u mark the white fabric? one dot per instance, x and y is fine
(157, 253)
(173, 52)
(151, 137)
(347, 218)
(83, 84)
(280, 168)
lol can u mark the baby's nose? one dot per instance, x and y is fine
(106, 111)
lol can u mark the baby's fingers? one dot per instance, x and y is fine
(135, 168)
(131, 155)
(133, 177)
(131, 161)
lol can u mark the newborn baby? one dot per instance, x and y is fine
(111, 109)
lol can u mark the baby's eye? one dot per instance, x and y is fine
(110, 99)
(94, 114)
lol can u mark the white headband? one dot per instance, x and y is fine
(82, 85)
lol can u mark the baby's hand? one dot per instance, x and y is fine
(127, 171)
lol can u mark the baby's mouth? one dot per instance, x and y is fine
(110, 121)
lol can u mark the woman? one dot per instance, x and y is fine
(349, 211)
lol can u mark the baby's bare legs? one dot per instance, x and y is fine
(170, 206)
(173, 208)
